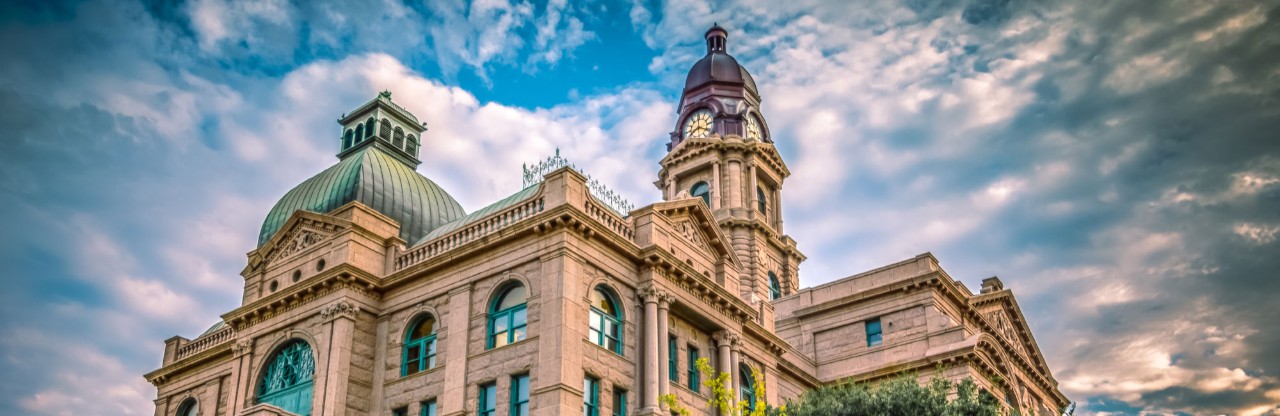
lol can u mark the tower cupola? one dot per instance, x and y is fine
(720, 97)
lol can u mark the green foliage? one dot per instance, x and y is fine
(901, 396)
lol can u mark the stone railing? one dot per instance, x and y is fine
(205, 342)
(607, 216)
(470, 232)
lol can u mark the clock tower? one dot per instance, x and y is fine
(721, 151)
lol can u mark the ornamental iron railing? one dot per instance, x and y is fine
(533, 174)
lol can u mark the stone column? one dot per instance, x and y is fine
(737, 375)
(341, 320)
(751, 188)
(455, 322)
(715, 186)
(664, 338)
(724, 354)
(240, 376)
(650, 295)
(777, 209)
(671, 189)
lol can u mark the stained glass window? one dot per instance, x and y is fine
(605, 328)
(508, 317)
(287, 378)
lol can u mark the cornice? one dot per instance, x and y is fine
(342, 276)
(699, 286)
(162, 375)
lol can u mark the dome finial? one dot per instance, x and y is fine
(716, 39)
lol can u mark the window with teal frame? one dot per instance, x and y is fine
(775, 288)
(429, 408)
(520, 395)
(488, 400)
(287, 378)
(748, 387)
(874, 335)
(702, 190)
(761, 203)
(605, 328)
(189, 407)
(402, 411)
(619, 402)
(419, 346)
(672, 356)
(590, 396)
(508, 317)
(694, 382)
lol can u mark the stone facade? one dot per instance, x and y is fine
(344, 283)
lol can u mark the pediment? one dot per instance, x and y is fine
(693, 222)
(302, 231)
(1001, 310)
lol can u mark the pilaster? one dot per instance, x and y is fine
(455, 345)
(340, 320)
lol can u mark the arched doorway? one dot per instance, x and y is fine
(288, 378)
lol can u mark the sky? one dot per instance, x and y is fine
(1115, 163)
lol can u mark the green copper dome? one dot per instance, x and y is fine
(378, 179)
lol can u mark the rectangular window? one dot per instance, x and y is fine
(429, 408)
(520, 395)
(672, 351)
(488, 399)
(591, 397)
(694, 382)
(874, 335)
(403, 411)
(619, 402)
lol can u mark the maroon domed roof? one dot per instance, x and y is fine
(718, 65)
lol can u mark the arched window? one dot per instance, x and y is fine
(189, 407)
(368, 127)
(775, 288)
(747, 386)
(398, 138)
(411, 145)
(606, 321)
(346, 140)
(508, 317)
(419, 346)
(288, 377)
(702, 190)
(384, 130)
(360, 133)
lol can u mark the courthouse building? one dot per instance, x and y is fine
(372, 291)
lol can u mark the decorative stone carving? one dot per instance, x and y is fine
(652, 293)
(341, 309)
(300, 241)
(725, 338)
(242, 347)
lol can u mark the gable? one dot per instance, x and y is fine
(692, 222)
(302, 231)
(1001, 310)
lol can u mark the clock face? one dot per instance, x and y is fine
(753, 128)
(698, 125)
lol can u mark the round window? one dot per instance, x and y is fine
(320, 265)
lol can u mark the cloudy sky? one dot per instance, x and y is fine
(1117, 164)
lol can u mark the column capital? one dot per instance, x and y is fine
(651, 293)
(242, 347)
(340, 309)
(665, 299)
(725, 338)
